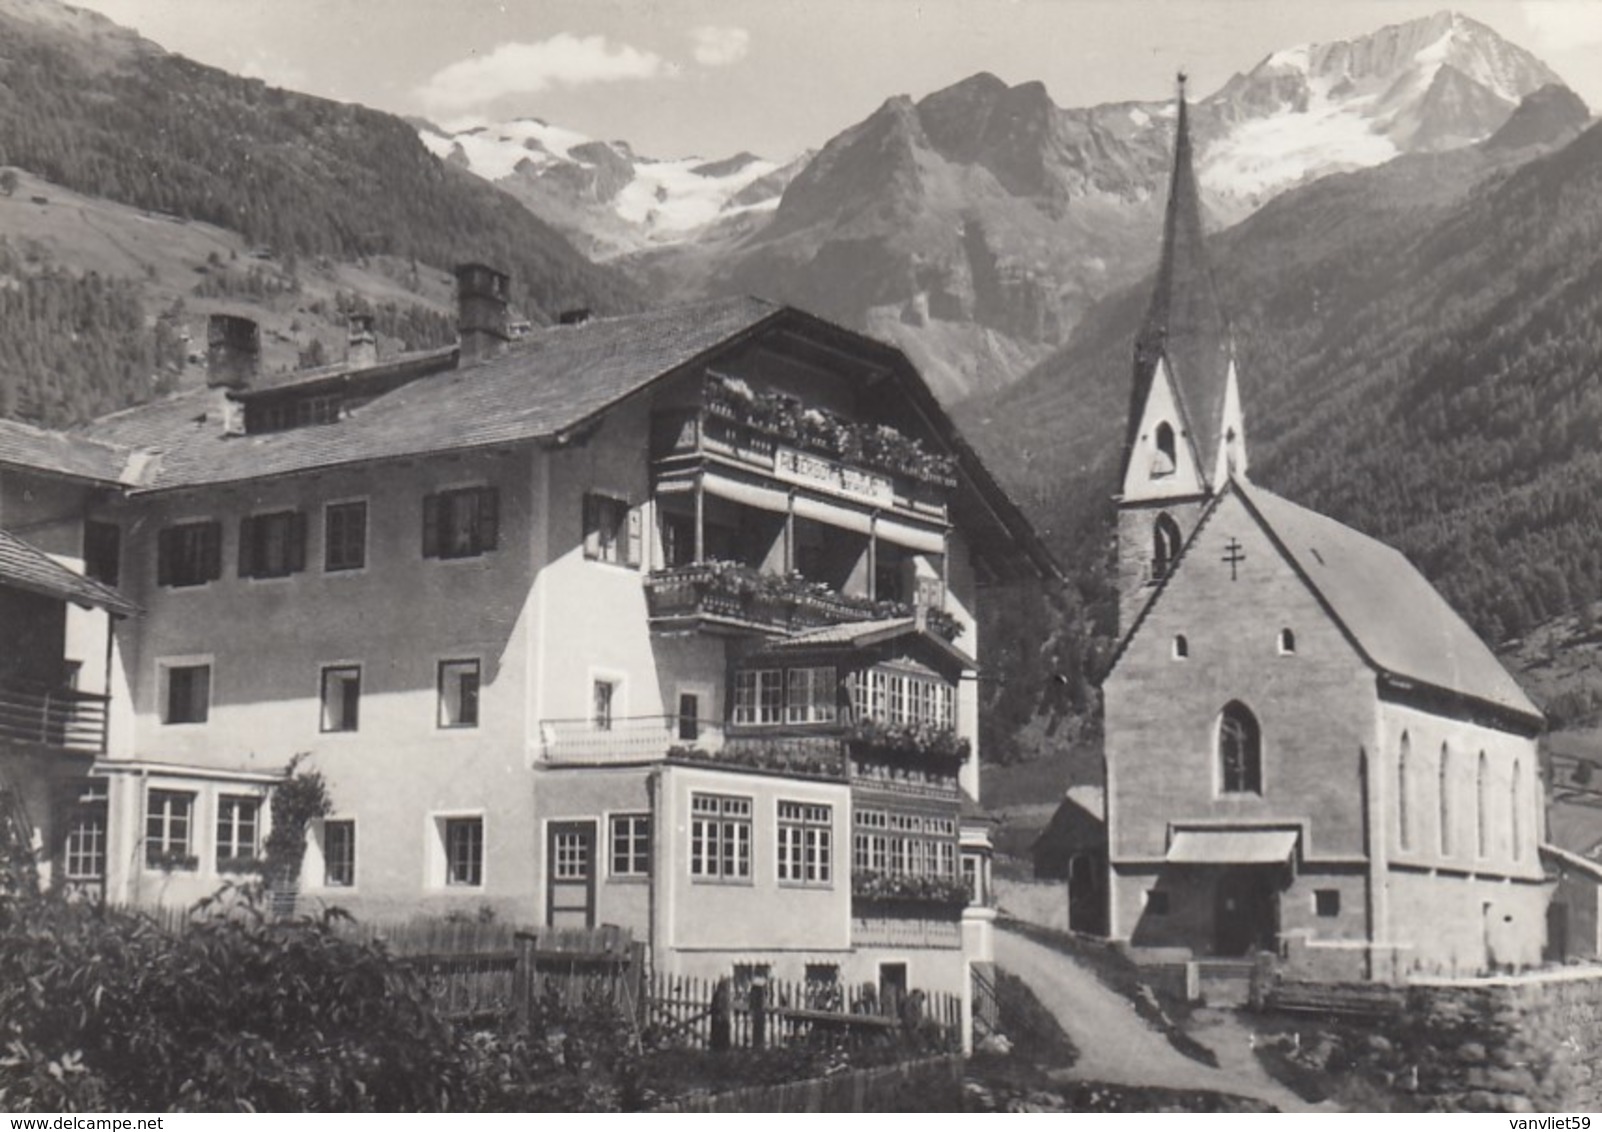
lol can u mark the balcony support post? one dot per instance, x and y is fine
(700, 518)
(789, 535)
(873, 556)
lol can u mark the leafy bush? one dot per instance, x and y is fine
(101, 1008)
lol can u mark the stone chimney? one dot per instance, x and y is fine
(361, 349)
(233, 352)
(481, 295)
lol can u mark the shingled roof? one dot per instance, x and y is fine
(1185, 323)
(1391, 612)
(554, 381)
(28, 568)
(38, 449)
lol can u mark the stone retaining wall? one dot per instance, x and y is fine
(932, 1084)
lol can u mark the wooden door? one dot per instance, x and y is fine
(1245, 911)
(570, 874)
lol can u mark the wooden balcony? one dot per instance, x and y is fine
(63, 718)
(740, 599)
(895, 475)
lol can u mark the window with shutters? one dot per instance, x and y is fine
(611, 530)
(461, 524)
(272, 545)
(189, 554)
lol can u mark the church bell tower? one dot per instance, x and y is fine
(1185, 437)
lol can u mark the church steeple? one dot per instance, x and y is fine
(1185, 343)
(1185, 434)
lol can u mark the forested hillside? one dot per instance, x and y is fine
(1420, 349)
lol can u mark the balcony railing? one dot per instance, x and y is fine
(741, 596)
(656, 737)
(54, 717)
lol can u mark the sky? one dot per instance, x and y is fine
(710, 78)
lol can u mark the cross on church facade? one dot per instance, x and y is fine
(1234, 555)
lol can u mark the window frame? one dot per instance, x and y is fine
(90, 813)
(167, 668)
(256, 532)
(440, 716)
(166, 845)
(628, 839)
(612, 531)
(189, 553)
(346, 726)
(440, 523)
(329, 858)
(721, 835)
(228, 826)
(1326, 903)
(448, 827)
(1246, 780)
(803, 843)
(342, 566)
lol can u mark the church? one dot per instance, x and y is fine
(1307, 750)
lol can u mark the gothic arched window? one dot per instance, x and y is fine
(1404, 826)
(1240, 751)
(1515, 826)
(1482, 792)
(1164, 546)
(1445, 801)
(1166, 459)
(1287, 642)
(1181, 647)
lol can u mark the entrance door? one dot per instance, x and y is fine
(570, 874)
(1245, 911)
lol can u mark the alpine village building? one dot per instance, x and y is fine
(1307, 750)
(664, 621)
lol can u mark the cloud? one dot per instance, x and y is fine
(1564, 24)
(718, 47)
(528, 68)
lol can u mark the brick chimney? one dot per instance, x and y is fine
(481, 295)
(361, 349)
(233, 352)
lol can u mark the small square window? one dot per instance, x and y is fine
(188, 697)
(345, 536)
(1156, 902)
(341, 695)
(1327, 902)
(339, 853)
(458, 693)
(464, 852)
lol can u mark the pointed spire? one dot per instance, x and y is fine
(1185, 322)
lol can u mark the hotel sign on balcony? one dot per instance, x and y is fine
(828, 475)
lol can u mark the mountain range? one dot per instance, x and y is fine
(974, 226)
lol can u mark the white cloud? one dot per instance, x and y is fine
(528, 68)
(1563, 24)
(718, 47)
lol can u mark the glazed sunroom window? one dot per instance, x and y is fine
(895, 697)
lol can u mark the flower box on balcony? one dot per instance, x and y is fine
(802, 757)
(921, 741)
(898, 891)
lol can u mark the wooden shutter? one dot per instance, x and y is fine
(164, 556)
(636, 535)
(489, 518)
(247, 547)
(211, 543)
(431, 510)
(297, 542)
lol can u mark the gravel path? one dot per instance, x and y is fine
(1116, 1045)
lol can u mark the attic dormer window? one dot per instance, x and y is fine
(293, 412)
(1165, 459)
